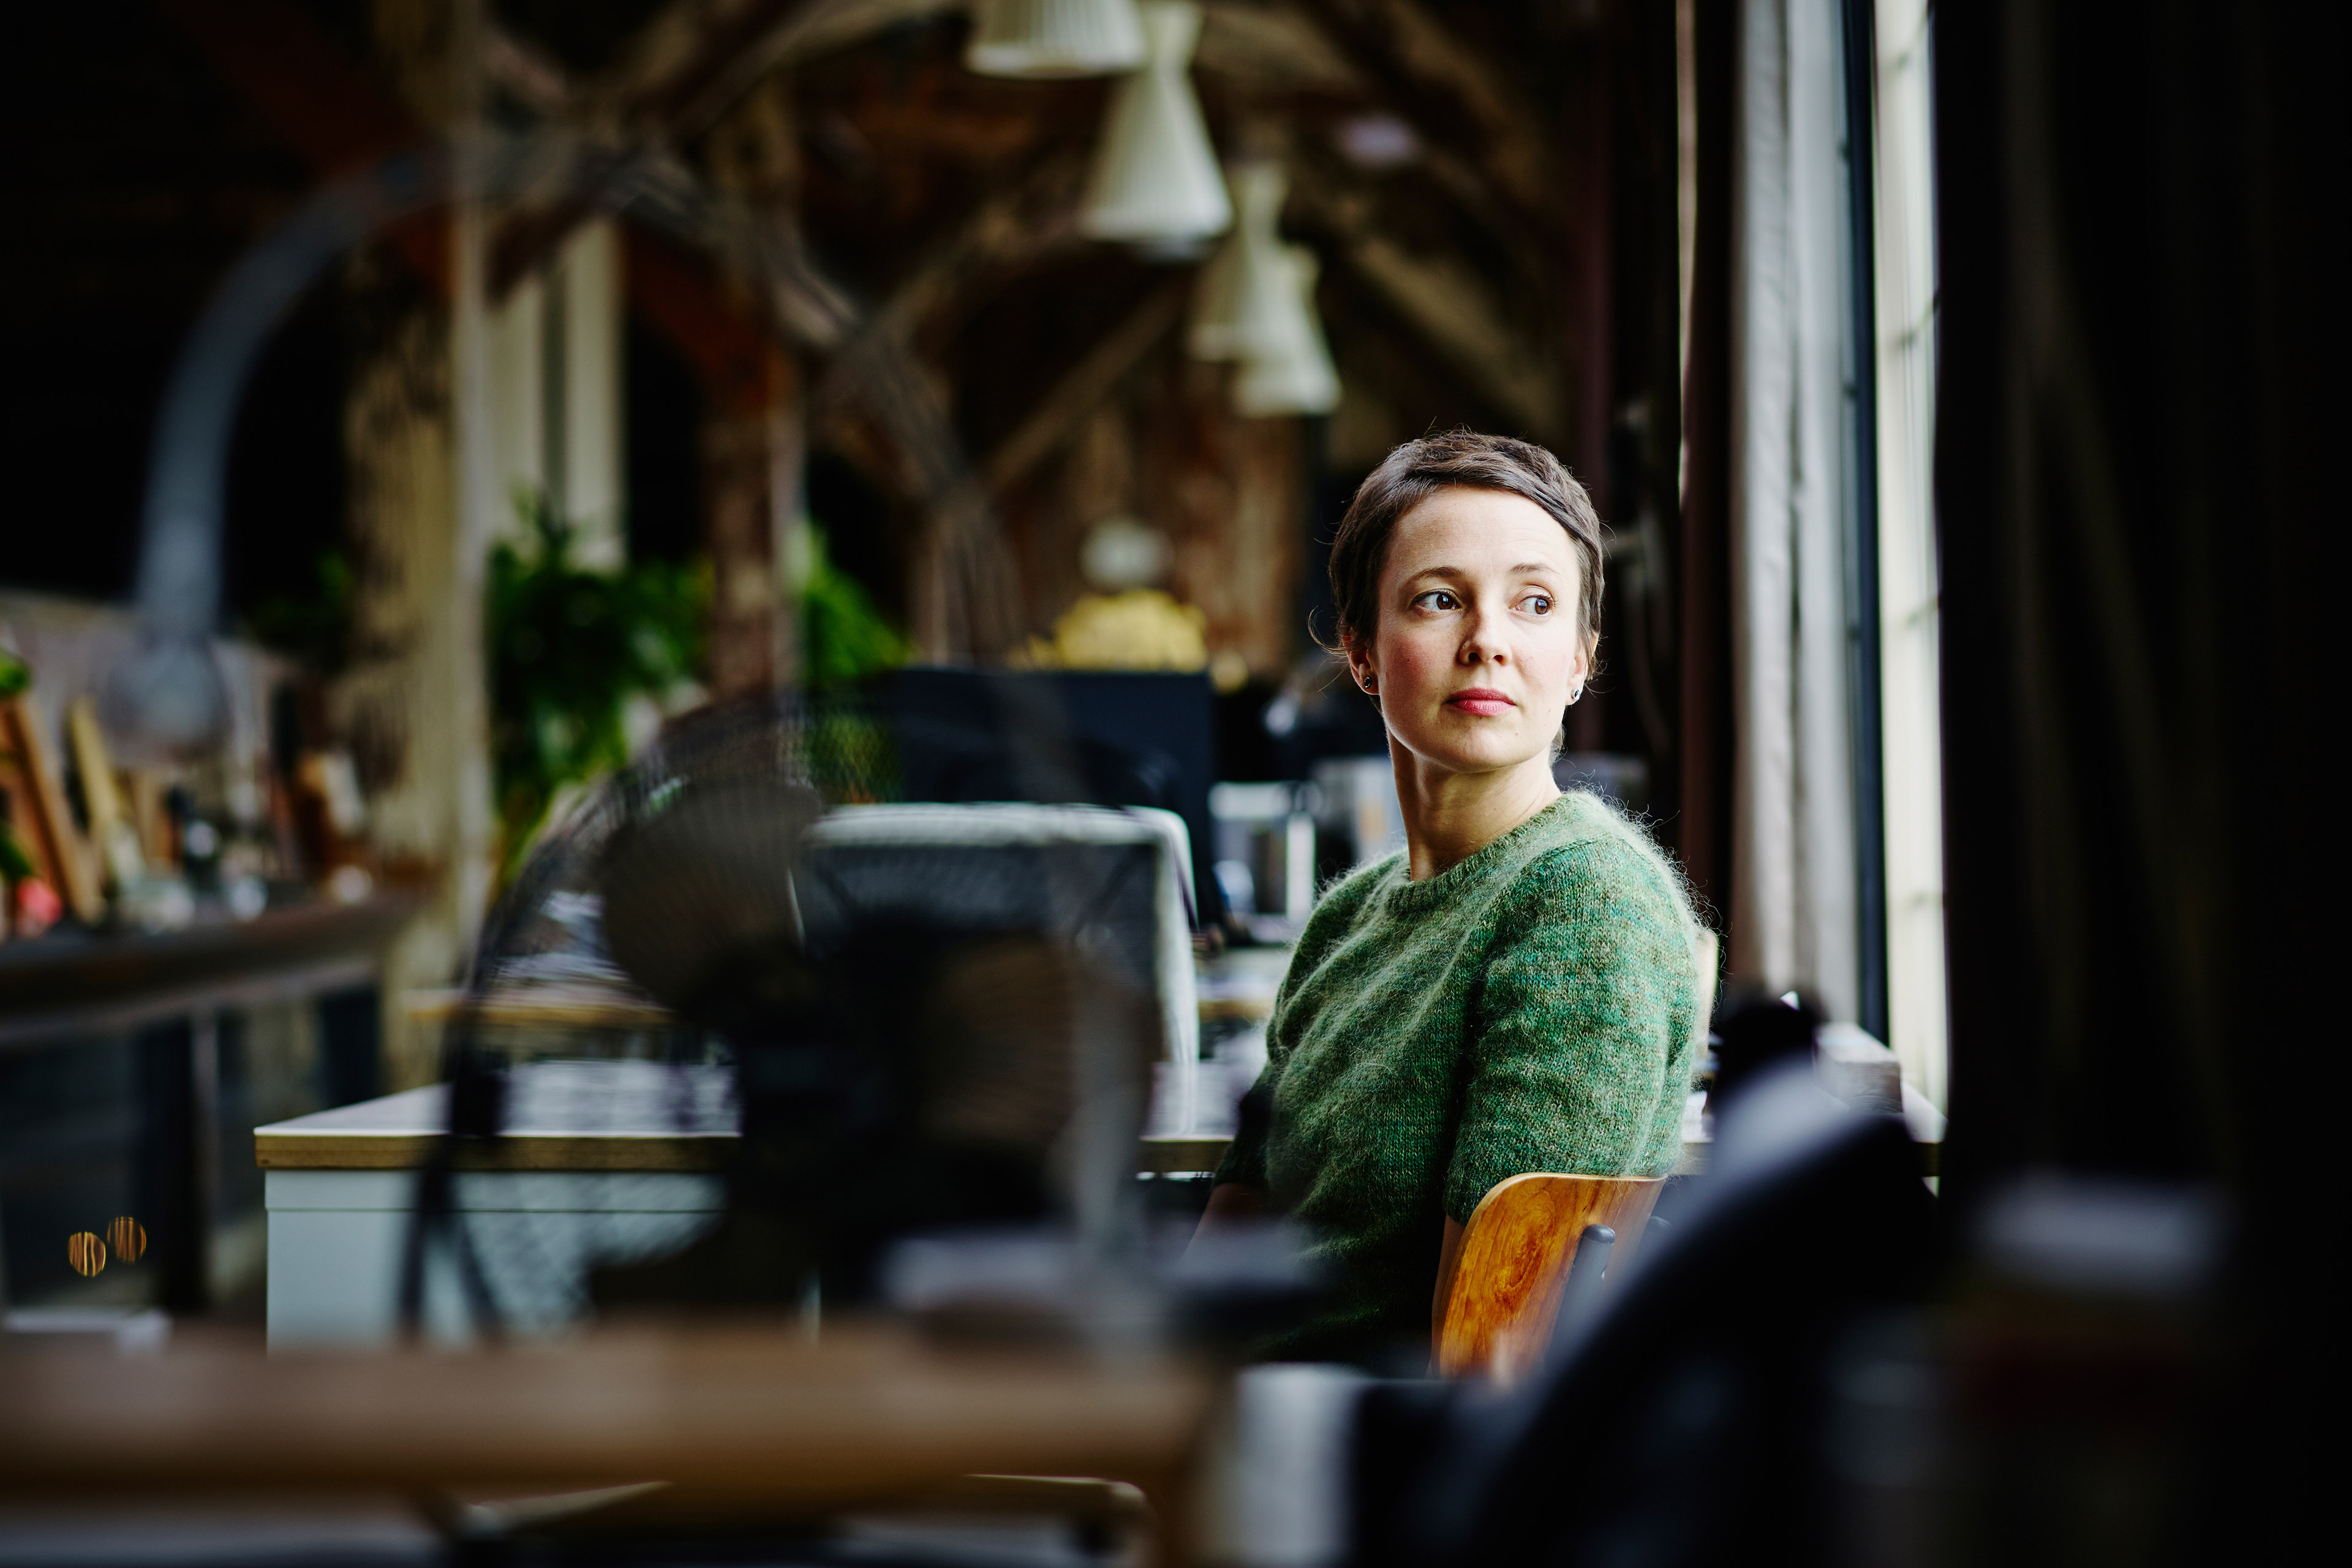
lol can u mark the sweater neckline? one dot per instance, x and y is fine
(1406, 893)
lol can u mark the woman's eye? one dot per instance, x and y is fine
(1539, 603)
(1438, 599)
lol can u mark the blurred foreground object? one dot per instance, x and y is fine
(2068, 1395)
(1681, 1415)
(927, 1018)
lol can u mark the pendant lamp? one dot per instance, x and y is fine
(1054, 38)
(1255, 303)
(1287, 368)
(1240, 264)
(1215, 333)
(1156, 181)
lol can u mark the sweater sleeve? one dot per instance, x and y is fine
(1575, 1029)
(1245, 1158)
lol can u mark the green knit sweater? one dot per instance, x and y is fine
(1528, 1009)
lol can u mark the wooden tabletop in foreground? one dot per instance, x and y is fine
(733, 1417)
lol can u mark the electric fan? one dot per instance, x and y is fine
(916, 1018)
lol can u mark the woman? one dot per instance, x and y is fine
(1516, 990)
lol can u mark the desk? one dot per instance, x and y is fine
(606, 1162)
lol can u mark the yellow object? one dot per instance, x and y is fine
(109, 827)
(1142, 628)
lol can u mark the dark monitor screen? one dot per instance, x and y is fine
(1098, 737)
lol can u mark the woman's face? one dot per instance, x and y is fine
(1477, 649)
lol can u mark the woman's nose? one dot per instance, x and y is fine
(1483, 642)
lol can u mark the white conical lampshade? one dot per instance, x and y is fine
(1156, 180)
(1246, 264)
(1287, 365)
(1215, 296)
(1054, 38)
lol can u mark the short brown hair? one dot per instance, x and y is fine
(1459, 459)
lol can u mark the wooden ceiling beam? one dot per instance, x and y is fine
(684, 70)
(673, 61)
(667, 67)
(1081, 390)
(1455, 99)
(337, 119)
(535, 78)
(674, 293)
(332, 114)
(1011, 229)
(1448, 305)
(1259, 47)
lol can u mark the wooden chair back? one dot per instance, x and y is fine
(1512, 1268)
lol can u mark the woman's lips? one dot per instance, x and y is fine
(1482, 700)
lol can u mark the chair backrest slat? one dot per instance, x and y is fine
(1513, 1266)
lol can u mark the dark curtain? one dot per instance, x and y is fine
(2142, 325)
(1702, 829)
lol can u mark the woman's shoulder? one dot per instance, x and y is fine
(1590, 851)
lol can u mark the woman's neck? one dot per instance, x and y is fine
(1450, 816)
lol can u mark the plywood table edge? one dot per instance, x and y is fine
(1181, 1153)
(516, 1152)
(572, 1008)
(1696, 1153)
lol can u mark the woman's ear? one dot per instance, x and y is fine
(1361, 667)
